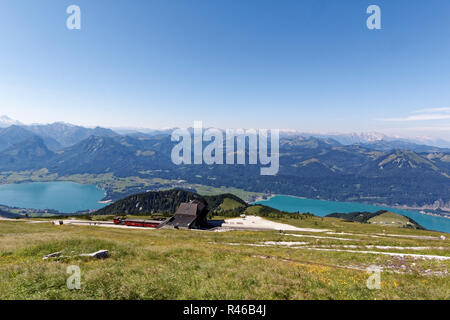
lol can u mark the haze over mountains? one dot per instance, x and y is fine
(6, 121)
(378, 171)
(60, 134)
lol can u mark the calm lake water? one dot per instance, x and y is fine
(64, 196)
(322, 208)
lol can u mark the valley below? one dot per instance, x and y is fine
(115, 188)
(387, 172)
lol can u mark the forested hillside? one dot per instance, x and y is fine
(309, 167)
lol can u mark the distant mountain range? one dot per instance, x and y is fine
(378, 171)
(60, 134)
(56, 136)
(372, 138)
(67, 134)
(6, 121)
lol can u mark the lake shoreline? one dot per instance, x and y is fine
(107, 199)
(323, 208)
(401, 207)
(55, 197)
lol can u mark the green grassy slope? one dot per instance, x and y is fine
(178, 264)
(382, 217)
(390, 219)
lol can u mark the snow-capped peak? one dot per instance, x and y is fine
(6, 121)
(368, 136)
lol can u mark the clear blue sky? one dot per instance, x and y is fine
(307, 65)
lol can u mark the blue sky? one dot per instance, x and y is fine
(307, 65)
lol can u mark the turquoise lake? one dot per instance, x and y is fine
(322, 208)
(64, 196)
(70, 197)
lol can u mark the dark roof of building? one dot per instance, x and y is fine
(182, 221)
(190, 208)
(186, 215)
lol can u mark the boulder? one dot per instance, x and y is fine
(101, 254)
(52, 255)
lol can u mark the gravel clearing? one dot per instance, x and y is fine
(258, 223)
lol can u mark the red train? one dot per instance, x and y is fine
(138, 223)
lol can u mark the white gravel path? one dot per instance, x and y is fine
(419, 256)
(319, 237)
(255, 222)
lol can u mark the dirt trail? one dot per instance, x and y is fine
(394, 254)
